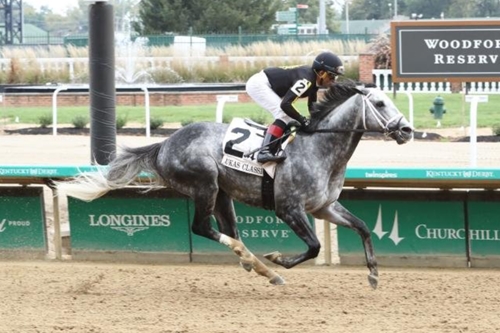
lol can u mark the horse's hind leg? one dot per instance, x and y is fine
(225, 215)
(205, 202)
(226, 221)
(337, 214)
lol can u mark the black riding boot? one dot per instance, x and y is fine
(268, 152)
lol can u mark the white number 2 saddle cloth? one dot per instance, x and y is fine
(240, 146)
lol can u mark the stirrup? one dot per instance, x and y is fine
(267, 156)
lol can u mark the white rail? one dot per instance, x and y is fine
(383, 79)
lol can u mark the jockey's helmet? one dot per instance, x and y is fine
(328, 62)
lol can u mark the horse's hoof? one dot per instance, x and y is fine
(273, 256)
(277, 281)
(373, 280)
(246, 266)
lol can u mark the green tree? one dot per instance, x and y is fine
(178, 16)
(311, 14)
(428, 8)
(126, 11)
(487, 8)
(455, 9)
(45, 19)
(37, 18)
(369, 10)
(461, 9)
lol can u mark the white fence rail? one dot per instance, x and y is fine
(383, 79)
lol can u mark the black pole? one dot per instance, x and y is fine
(102, 83)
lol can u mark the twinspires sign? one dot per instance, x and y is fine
(440, 50)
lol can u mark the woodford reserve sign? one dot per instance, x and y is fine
(442, 50)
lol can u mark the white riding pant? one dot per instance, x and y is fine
(259, 89)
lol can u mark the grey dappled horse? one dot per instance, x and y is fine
(308, 181)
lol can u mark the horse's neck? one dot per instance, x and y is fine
(341, 145)
(338, 146)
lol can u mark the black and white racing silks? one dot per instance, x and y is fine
(291, 83)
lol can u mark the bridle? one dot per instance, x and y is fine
(378, 117)
(382, 122)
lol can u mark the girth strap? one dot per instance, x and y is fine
(267, 192)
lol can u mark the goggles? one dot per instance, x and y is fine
(332, 76)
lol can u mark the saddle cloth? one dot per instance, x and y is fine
(243, 137)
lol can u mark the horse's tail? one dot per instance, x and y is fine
(122, 171)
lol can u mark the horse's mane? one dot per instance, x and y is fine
(334, 96)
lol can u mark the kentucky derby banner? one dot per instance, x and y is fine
(442, 50)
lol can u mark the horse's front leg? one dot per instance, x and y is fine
(337, 214)
(248, 258)
(296, 219)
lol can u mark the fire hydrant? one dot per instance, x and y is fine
(438, 109)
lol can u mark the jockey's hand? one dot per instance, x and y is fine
(294, 123)
(305, 125)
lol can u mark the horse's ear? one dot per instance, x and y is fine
(363, 85)
(359, 90)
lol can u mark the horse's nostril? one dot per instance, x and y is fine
(406, 129)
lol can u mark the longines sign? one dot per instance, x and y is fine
(442, 50)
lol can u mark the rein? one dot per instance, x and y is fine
(366, 105)
(378, 117)
(342, 130)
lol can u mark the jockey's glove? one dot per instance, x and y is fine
(304, 122)
(294, 123)
(305, 125)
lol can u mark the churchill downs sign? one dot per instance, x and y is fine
(441, 50)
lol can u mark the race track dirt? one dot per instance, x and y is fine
(103, 298)
(50, 296)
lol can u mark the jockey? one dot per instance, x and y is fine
(277, 88)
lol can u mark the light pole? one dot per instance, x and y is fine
(322, 18)
(347, 16)
(395, 8)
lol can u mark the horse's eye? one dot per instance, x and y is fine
(379, 104)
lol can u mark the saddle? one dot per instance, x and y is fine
(240, 146)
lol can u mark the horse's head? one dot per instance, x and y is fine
(352, 108)
(380, 114)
